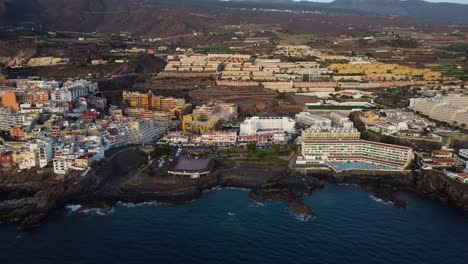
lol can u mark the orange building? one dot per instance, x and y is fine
(17, 133)
(9, 100)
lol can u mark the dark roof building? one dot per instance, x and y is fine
(194, 168)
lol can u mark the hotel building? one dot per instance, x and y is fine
(342, 144)
(322, 151)
(258, 125)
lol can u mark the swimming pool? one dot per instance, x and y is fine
(341, 166)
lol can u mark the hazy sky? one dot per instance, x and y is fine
(451, 1)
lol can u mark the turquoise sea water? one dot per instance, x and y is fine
(227, 226)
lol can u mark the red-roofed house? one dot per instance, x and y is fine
(442, 154)
(6, 159)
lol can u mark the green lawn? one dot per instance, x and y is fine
(260, 155)
(445, 140)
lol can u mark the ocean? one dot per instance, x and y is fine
(227, 226)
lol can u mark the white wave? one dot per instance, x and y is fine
(304, 217)
(217, 188)
(238, 189)
(380, 200)
(134, 205)
(72, 208)
(97, 211)
(231, 214)
(257, 204)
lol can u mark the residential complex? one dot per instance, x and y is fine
(396, 121)
(451, 109)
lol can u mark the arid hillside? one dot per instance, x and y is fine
(178, 17)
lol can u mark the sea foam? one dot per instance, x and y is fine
(134, 205)
(380, 200)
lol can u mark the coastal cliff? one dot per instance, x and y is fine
(430, 184)
(437, 186)
(126, 178)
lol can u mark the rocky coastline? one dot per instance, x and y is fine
(30, 203)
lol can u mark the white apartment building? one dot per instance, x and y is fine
(73, 90)
(142, 131)
(322, 151)
(43, 152)
(451, 109)
(8, 120)
(341, 120)
(261, 125)
(316, 121)
(463, 153)
(63, 164)
(463, 157)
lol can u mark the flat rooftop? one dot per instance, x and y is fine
(193, 165)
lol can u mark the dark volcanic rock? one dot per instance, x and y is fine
(290, 188)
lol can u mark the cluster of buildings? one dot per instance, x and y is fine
(240, 70)
(66, 145)
(451, 109)
(272, 70)
(209, 117)
(29, 96)
(196, 64)
(302, 51)
(396, 121)
(453, 165)
(336, 143)
(49, 124)
(439, 159)
(383, 71)
(260, 130)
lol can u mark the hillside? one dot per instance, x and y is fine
(177, 17)
(411, 8)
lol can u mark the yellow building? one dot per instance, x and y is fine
(192, 123)
(148, 101)
(336, 133)
(387, 70)
(25, 159)
(370, 117)
(84, 161)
